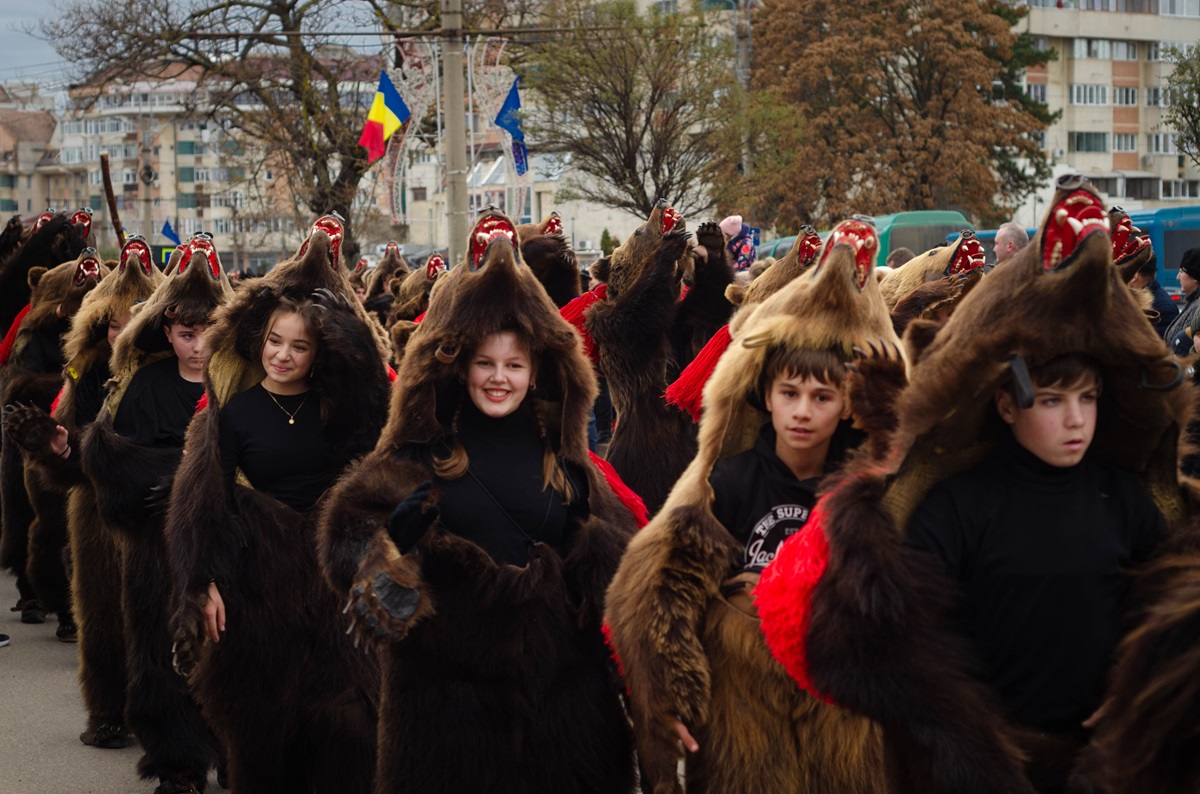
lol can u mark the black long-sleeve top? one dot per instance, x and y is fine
(157, 405)
(294, 463)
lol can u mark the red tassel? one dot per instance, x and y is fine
(10, 338)
(391, 374)
(784, 597)
(57, 400)
(420, 317)
(631, 500)
(573, 313)
(606, 630)
(202, 403)
(687, 392)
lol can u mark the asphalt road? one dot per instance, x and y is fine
(42, 715)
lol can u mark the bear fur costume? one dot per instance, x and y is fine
(129, 480)
(55, 241)
(291, 700)
(412, 299)
(507, 662)
(687, 653)
(551, 259)
(934, 301)
(1130, 248)
(379, 298)
(961, 256)
(33, 376)
(867, 625)
(646, 335)
(51, 480)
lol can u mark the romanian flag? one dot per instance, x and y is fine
(388, 113)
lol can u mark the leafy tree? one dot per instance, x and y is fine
(637, 103)
(1183, 100)
(894, 105)
(607, 243)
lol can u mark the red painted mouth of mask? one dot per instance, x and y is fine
(1128, 240)
(435, 266)
(136, 246)
(205, 246)
(87, 267)
(43, 219)
(1078, 216)
(393, 249)
(863, 238)
(554, 225)
(670, 217)
(334, 230)
(809, 245)
(486, 230)
(969, 256)
(361, 266)
(82, 220)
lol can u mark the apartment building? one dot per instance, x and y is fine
(1110, 83)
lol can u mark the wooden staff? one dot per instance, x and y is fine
(112, 201)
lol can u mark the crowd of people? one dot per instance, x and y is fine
(922, 526)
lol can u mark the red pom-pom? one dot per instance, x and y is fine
(626, 494)
(784, 597)
(687, 392)
(11, 337)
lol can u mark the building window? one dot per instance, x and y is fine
(129, 177)
(420, 194)
(186, 147)
(1179, 8)
(1124, 51)
(1180, 188)
(1124, 142)
(186, 201)
(1036, 92)
(1087, 141)
(95, 178)
(187, 174)
(1125, 96)
(1089, 94)
(1161, 143)
(1153, 96)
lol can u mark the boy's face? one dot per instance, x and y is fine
(1058, 428)
(805, 411)
(188, 343)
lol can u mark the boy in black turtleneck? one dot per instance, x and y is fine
(1039, 537)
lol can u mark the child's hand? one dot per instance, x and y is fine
(685, 736)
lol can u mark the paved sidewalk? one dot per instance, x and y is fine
(42, 715)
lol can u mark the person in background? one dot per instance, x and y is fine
(1160, 301)
(1180, 334)
(739, 241)
(1010, 238)
(898, 257)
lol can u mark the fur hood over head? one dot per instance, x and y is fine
(1059, 295)
(490, 292)
(57, 292)
(960, 257)
(393, 265)
(1130, 248)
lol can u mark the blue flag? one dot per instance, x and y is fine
(509, 121)
(169, 233)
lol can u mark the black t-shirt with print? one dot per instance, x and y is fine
(760, 501)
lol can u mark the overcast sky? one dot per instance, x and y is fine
(23, 56)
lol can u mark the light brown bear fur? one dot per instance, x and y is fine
(688, 653)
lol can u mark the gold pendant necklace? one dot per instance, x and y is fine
(292, 415)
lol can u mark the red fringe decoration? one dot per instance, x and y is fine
(784, 597)
(573, 313)
(57, 399)
(202, 403)
(631, 500)
(391, 374)
(420, 317)
(687, 392)
(606, 630)
(10, 338)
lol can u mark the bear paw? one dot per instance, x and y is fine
(29, 426)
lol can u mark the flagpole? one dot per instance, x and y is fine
(455, 142)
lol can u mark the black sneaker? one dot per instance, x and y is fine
(67, 632)
(32, 611)
(3, 640)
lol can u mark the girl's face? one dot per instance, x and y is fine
(116, 324)
(288, 353)
(499, 375)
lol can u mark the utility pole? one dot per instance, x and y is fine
(455, 142)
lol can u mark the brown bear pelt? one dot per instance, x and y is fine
(879, 641)
(801, 256)
(291, 700)
(55, 242)
(961, 256)
(645, 336)
(33, 377)
(689, 654)
(508, 661)
(549, 255)
(1130, 248)
(379, 298)
(934, 301)
(178, 745)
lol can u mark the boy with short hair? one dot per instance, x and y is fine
(161, 398)
(1038, 537)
